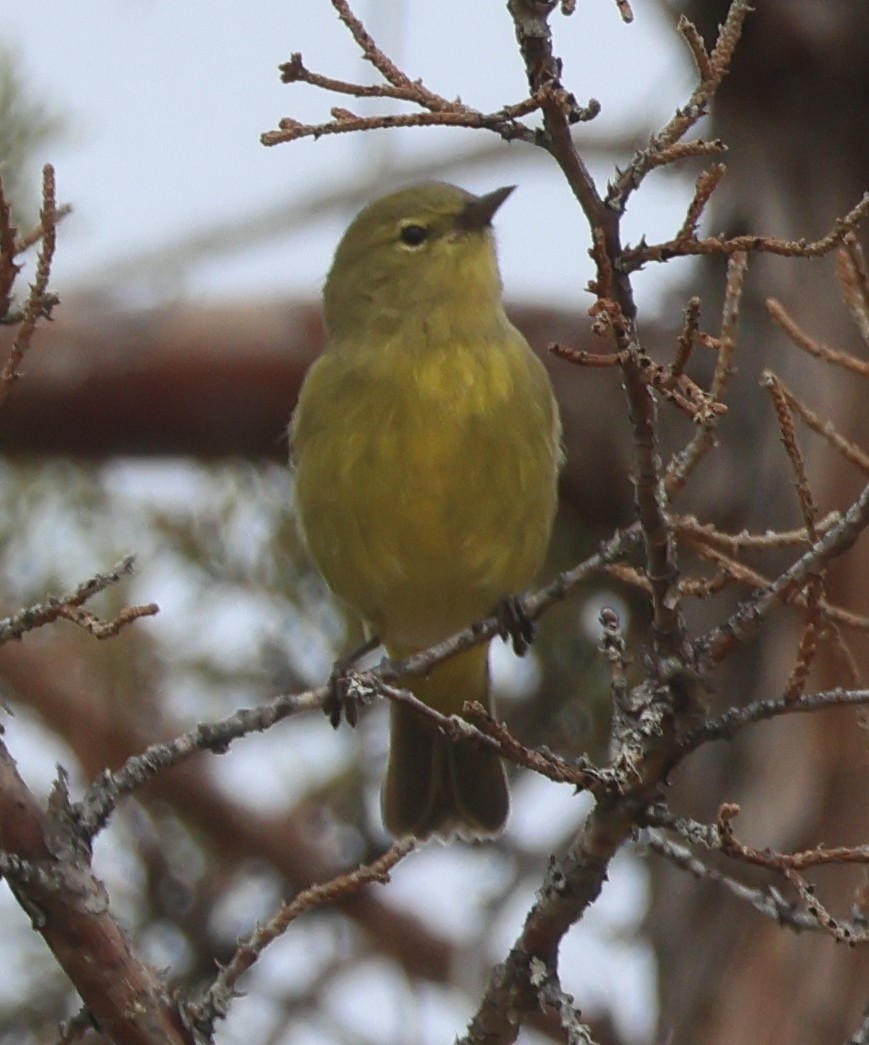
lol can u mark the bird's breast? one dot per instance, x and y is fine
(428, 494)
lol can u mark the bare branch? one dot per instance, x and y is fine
(634, 258)
(39, 303)
(68, 607)
(733, 721)
(854, 279)
(751, 614)
(768, 902)
(712, 70)
(720, 838)
(102, 797)
(438, 111)
(815, 348)
(683, 464)
(214, 1003)
(826, 430)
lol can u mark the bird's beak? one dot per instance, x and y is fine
(479, 211)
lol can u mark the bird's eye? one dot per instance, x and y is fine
(413, 235)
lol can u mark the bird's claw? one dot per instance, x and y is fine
(515, 624)
(341, 701)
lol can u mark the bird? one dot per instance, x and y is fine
(426, 444)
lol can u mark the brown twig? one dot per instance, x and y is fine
(753, 578)
(827, 430)
(733, 721)
(437, 110)
(815, 348)
(580, 357)
(624, 10)
(691, 529)
(344, 122)
(215, 1001)
(854, 280)
(477, 725)
(768, 902)
(811, 915)
(712, 68)
(707, 183)
(105, 629)
(39, 303)
(634, 258)
(814, 592)
(580, 772)
(685, 342)
(788, 864)
(700, 406)
(785, 419)
(8, 268)
(683, 463)
(68, 607)
(751, 614)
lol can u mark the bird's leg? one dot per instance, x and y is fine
(515, 624)
(340, 702)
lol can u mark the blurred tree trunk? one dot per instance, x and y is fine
(793, 112)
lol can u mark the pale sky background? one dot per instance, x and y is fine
(164, 103)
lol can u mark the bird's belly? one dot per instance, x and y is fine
(430, 521)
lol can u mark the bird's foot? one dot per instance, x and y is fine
(342, 700)
(515, 624)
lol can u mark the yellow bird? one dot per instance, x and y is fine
(426, 443)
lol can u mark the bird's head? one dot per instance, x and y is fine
(411, 255)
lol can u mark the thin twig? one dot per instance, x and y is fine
(751, 614)
(39, 303)
(8, 268)
(707, 183)
(854, 280)
(711, 69)
(685, 343)
(814, 592)
(634, 258)
(683, 463)
(733, 721)
(690, 528)
(795, 596)
(214, 1003)
(815, 348)
(68, 607)
(768, 901)
(827, 430)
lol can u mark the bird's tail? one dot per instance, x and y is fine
(440, 787)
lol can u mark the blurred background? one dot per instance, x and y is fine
(151, 418)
